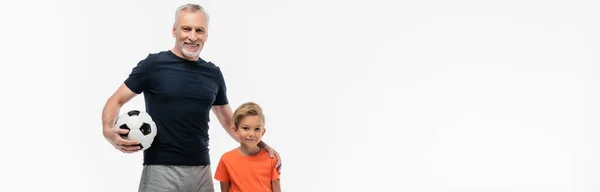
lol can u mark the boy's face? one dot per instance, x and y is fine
(250, 130)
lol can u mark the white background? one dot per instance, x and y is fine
(359, 95)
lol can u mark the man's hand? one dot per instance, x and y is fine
(124, 145)
(272, 153)
(109, 114)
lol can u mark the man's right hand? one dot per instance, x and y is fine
(124, 145)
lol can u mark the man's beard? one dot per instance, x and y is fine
(187, 53)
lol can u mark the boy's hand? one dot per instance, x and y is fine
(272, 153)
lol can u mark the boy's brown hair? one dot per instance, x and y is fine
(247, 109)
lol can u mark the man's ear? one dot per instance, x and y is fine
(173, 32)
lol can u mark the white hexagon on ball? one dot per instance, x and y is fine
(140, 125)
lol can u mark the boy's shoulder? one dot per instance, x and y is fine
(263, 156)
(230, 154)
(235, 154)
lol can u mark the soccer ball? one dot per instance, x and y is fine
(140, 125)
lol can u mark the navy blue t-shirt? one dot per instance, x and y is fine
(178, 94)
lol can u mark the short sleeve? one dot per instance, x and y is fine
(221, 98)
(274, 174)
(221, 172)
(140, 77)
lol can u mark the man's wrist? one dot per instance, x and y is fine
(106, 129)
(262, 145)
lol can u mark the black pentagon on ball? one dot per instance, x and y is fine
(145, 129)
(124, 126)
(133, 113)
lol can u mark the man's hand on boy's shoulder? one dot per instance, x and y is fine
(272, 153)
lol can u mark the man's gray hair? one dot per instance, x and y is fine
(193, 8)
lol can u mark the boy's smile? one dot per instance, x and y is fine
(250, 131)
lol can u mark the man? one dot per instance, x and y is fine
(179, 90)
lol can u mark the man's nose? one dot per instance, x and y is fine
(193, 36)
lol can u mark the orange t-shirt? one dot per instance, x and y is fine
(247, 173)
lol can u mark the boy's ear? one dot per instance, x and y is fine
(264, 131)
(233, 129)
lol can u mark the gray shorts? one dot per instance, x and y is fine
(173, 178)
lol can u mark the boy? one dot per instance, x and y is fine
(247, 168)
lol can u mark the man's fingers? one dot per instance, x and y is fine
(279, 163)
(277, 156)
(271, 152)
(126, 142)
(279, 169)
(129, 149)
(121, 141)
(133, 148)
(123, 150)
(121, 131)
(278, 166)
(132, 142)
(124, 145)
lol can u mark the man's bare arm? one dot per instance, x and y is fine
(225, 116)
(109, 115)
(114, 104)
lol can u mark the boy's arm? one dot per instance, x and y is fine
(225, 186)
(276, 186)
